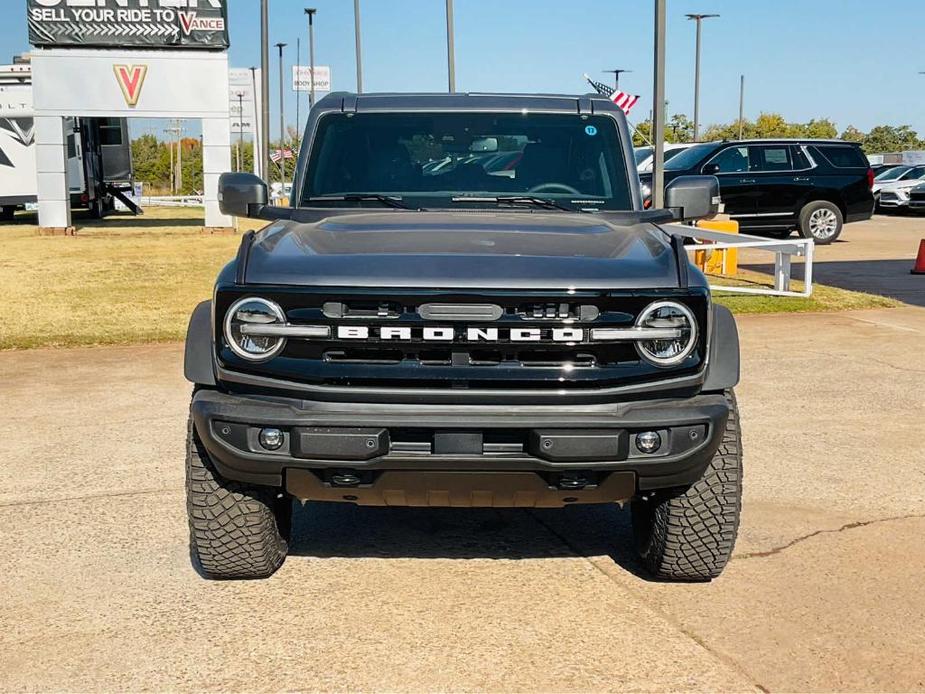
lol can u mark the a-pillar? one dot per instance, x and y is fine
(216, 160)
(51, 175)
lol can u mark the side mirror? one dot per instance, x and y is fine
(710, 169)
(241, 194)
(693, 197)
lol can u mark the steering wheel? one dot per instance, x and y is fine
(554, 188)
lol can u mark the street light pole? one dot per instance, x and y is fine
(658, 114)
(741, 104)
(699, 19)
(282, 117)
(264, 89)
(356, 31)
(616, 76)
(240, 126)
(255, 129)
(450, 48)
(298, 102)
(310, 11)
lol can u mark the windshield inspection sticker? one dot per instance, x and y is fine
(590, 130)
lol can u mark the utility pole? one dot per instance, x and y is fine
(356, 31)
(282, 117)
(264, 89)
(310, 11)
(240, 96)
(658, 115)
(255, 129)
(175, 178)
(179, 156)
(741, 104)
(699, 19)
(298, 101)
(450, 48)
(173, 187)
(616, 76)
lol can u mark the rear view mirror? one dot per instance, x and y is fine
(241, 194)
(710, 169)
(693, 197)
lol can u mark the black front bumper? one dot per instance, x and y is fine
(368, 439)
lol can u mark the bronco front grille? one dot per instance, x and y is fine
(564, 353)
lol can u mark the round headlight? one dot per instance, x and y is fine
(253, 312)
(667, 315)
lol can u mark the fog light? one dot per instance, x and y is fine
(648, 441)
(270, 438)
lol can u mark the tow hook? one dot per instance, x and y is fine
(573, 481)
(345, 479)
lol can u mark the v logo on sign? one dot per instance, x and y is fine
(130, 79)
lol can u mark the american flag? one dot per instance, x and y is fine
(277, 154)
(624, 101)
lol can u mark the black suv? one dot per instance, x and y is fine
(814, 186)
(466, 305)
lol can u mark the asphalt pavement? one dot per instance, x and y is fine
(826, 589)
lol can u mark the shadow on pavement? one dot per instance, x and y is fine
(883, 277)
(344, 530)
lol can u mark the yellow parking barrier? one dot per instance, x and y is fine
(720, 262)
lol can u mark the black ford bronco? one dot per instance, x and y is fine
(465, 305)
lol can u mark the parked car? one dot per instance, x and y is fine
(917, 198)
(403, 338)
(645, 155)
(813, 186)
(892, 191)
(881, 168)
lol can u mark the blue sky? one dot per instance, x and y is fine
(804, 58)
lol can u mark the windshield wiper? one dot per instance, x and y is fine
(387, 200)
(544, 203)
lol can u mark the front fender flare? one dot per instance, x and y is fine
(723, 367)
(197, 357)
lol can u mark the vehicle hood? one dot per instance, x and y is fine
(489, 250)
(897, 185)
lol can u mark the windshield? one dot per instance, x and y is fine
(913, 174)
(892, 174)
(642, 153)
(691, 156)
(450, 159)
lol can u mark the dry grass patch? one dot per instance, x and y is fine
(123, 280)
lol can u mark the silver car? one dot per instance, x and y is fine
(892, 187)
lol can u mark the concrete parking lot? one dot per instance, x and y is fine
(826, 590)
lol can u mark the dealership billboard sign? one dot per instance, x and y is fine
(128, 23)
(302, 75)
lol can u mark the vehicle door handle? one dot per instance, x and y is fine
(801, 178)
(746, 180)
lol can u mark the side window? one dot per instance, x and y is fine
(732, 160)
(770, 158)
(800, 160)
(913, 174)
(71, 146)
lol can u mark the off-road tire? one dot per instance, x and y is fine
(237, 531)
(690, 536)
(821, 207)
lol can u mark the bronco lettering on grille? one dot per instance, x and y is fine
(428, 334)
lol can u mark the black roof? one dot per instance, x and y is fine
(471, 101)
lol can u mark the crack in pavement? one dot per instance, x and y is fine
(824, 531)
(727, 660)
(88, 497)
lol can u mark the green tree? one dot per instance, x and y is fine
(891, 138)
(852, 134)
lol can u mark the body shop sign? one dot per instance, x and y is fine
(128, 23)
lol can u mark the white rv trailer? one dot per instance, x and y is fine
(99, 163)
